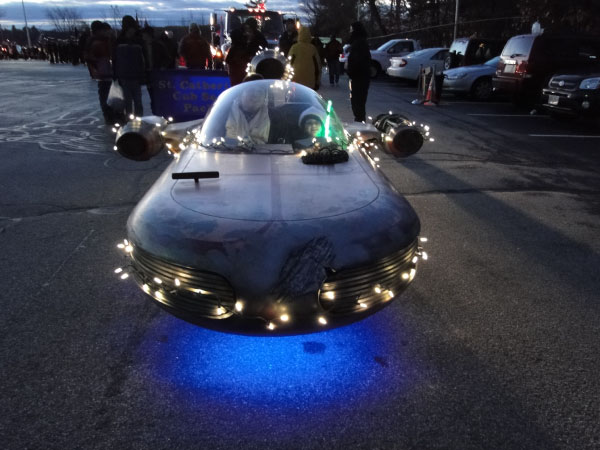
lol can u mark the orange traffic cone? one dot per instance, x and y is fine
(429, 97)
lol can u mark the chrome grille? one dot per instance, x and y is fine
(199, 292)
(355, 289)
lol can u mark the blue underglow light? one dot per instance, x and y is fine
(278, 376)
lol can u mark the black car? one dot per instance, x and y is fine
(575, 94)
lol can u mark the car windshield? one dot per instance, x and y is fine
(271, 116)
(269, 22)
(518, 46)
(384, 47)
(459, 47)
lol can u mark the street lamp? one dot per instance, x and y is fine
(455, 18)
(26, 27)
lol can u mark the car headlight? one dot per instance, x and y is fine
(590, 83)
(456, 76)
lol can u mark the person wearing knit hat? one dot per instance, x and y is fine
(311, 121)
(311, 127)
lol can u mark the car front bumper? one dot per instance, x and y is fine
(208, 299)
(575, 103)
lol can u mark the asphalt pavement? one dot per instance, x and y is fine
(493, 346)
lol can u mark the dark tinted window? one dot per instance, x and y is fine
(581, 50)
(403, 47)
(518, 46)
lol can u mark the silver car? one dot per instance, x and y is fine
(274, 224)
(473, 80)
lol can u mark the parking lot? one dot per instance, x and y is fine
(494, 345)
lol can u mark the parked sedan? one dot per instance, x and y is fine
(474, 80)
(409, 66)
(380, 58)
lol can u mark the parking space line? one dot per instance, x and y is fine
(508, 115)
(583, 136)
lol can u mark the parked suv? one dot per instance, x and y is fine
(528, 62)
(469, 51)
(575, 94)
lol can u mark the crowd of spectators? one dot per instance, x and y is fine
(129, 56)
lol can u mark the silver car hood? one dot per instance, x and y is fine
(265, 187)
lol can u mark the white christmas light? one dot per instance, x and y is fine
(177, 282)
(146, 288)
(362, 305)
(128, 248)
(239, 306)
(124, 276)
(157, 280)
(118, 270)
(284, 317)
(322, 320)
(377, 290)
(271, 326)
(423, 239)
(405, 275)
(390, 294)
(220, 310)
(330, 295)
(424, 256)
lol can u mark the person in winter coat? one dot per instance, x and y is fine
(98, 53)
(129, 65)
(359, 61)
(249, 116)
(306, 61)
(238, 57)
(195, 49)
(254, 38)
(332, 54)
(289, 37)
(157, 58)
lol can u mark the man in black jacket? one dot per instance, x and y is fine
(359, 62)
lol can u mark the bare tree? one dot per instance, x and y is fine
(64, 19)
(116, 15)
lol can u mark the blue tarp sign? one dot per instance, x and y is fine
(186, 94)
